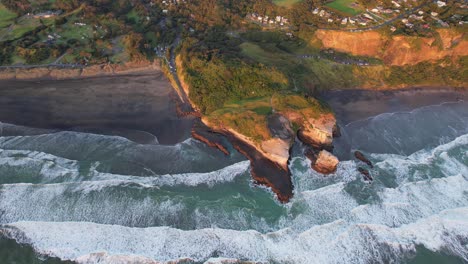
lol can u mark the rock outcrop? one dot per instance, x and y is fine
(360, 156)
(204, 134)
(366, 174)
(318, 132)
(325, 162)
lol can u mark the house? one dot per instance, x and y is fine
(344, 21)
(434, 14)
(368, 16)
(397, 5)
(48, 14)
(441, 3)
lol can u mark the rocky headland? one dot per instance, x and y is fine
(270, 154)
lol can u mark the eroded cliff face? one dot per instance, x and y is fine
(396, 50)
(270, 155)
(318, 132)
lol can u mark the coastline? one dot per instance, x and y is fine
(58, 72)
(266, 168)
(350, 105)
(141, 107)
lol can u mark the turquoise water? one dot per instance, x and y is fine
(87, 197)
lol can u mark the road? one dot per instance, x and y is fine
(388, 22)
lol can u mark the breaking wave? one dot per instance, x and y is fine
(333, 220)
(104, 199)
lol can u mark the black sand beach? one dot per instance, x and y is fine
(136, 107)
(353, 105)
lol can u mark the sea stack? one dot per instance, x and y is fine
(325, 162)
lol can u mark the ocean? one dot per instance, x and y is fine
(75, 195)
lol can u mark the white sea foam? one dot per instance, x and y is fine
(136, 200)
(324, 223)
(336, 242)
(49, 168)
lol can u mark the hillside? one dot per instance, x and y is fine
(397, 50)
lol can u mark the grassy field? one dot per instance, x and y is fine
(19, 29)
(247, 116)
(286, 3)
(306, 74)
(345, 6)
(6, 16)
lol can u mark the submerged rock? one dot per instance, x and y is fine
(324, 162)
(204, 134)
(366, 174)
(360, 156)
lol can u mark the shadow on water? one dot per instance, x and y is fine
(425, 256)
(13, 253)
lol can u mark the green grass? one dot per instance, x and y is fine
(72, 31)
(319, 74)
(286, 3)
(6, 16)
(265, 57)
(345, 7)
(248, 116)
(20, 29)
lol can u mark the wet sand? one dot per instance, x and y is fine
(136, 107)
(353, 105)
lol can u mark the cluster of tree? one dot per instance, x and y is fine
(34, 55)
(18, 6)
(5, 54)
(430, 73)
(217, 73)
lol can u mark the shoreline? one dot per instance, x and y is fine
(266, 170)
(263, 169)
(435, 87)
(350, 105)
(125, 105)
(57, 72)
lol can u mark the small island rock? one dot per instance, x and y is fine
(325, 162)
